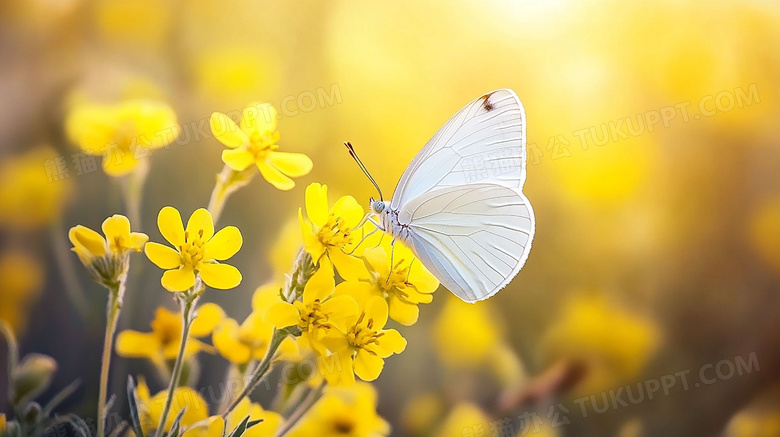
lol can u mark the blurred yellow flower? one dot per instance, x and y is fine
(34, 188)
(613, 343)
(754, 422)
(344, 412)
(255, 143)
(465, 335)
(331, 231)
(404, 285)
(143, 23)
(150, 408)
(421, 412)
(213, 426)
(240, 344)
(366, 344)
(164, 341)
(2, 423)
(463, 418)
(106, 258)
(122, 133)
(765, 232)
(227, 73)
(267, 428)
(318, 312)
(22, 279)
(197, 251)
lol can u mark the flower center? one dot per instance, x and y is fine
(261, 144)
(192, 249)
(343, 425)
(363, 335)
(335, 233)
(313, 317)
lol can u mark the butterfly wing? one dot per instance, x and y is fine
(483, 143)
(474, 238)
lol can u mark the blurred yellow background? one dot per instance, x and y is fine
(652, 166)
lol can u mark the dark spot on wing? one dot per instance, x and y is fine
(487, 105)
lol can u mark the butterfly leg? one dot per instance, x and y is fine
(364, 238)
(392, 254)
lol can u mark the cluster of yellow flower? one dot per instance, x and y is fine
(327, 321)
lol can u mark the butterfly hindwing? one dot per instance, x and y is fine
(474, 238)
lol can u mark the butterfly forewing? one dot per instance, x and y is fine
(483, 143)
(474, 238)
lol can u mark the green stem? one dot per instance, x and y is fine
(112, 315)
(261, 371)
(133, 188)
(301, 410)
(187, 301)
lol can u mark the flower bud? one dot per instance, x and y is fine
(32, 376)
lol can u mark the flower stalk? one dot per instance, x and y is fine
(228, 182)
(188, 301)
(115, 296)
(260, 372)
(303, 408)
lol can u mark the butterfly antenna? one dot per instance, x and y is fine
(363, 167)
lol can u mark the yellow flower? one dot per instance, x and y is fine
(404, 285)
(765, 232)
(240, 344)
(331, 231)
(421, 412)
(614, 343)
(318, 312)
(122, 133)
(165, 339)
(344, 412)
(754, 421)
(465, 335)
(255, 143)
(2, 423)
(197, 251)
(33, 188)
(213, 426)
(22, 279)
(365, 345)
(464, 419)
(150, 408)
(106, 258)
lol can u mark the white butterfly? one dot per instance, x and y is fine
(459, 206)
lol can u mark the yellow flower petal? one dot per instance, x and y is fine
(226, 131)
(134, 344)
(265, 296)
(390, 343)
(378, 260)
(219, 276)
(349, 267)
(422, 279)
(213, 426)
(180, 279)
(311, 243)
(116, 227)
(238, 159)
(137, 240)
(162, 256)
(119, 161)
(376, 309)
(282, 315)
(171, 227)
(224, 244)
(368, 366)
(291, 164)
(317, 204)
(208, 316)
(320, 285)
(150, 119)
(259, 117)
(358, 290)
(349, 209)
(225, 339)
(200, 221)
(403, 312)
(337, 342)
(275, 177)
(340, 309)
(84, 238)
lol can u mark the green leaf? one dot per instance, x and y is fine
(241, 428)
(132, 402)
(176, 427)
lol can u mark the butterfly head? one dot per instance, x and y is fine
(377, 206)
